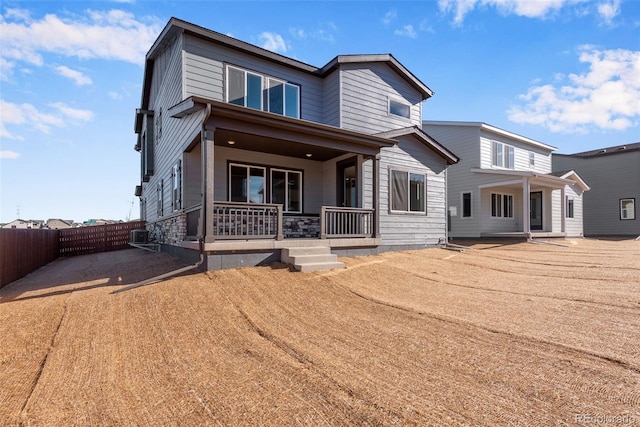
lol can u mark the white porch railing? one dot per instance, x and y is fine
(346, 222)
(236, 220)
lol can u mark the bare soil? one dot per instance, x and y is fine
(500, 334)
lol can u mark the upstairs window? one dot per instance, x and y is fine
(260, 92)
(400, 109)
(503, 155)
(627, 209)
(532, 159)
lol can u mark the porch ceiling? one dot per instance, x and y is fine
(263, 144)
(272, 133)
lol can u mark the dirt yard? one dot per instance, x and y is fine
(501, 334)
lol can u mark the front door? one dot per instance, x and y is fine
(348, 183)
(535, 210)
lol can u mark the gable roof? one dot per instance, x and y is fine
(424, 138)
(618, 149)
(176, 26)
(495, 130)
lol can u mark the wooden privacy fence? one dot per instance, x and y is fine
(25, 250)
(97, 238)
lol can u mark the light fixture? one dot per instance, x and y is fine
(308, 154)
(231, 142)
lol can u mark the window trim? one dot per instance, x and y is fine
(391, 192)
(570, 207)
(265, 91)
(633, 208)
(502, 197)
(462, 215)
(248, 168)
(176, 186)
(160, 198)
(503, 155)
(400, 103)
(285, 206)
(532, 158)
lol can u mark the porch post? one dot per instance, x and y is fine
(207, 181)
(526, 196)
(563, 210)
(376, 195)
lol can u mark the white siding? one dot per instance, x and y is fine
(521, 154)
(574, 226)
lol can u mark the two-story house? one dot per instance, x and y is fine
(610, 207)
(251, 153)
(503, 185)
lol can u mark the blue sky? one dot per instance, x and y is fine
(563, 72)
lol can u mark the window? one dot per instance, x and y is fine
(286, 189)
(246, 184)
(400, 109)
(408, 191)
(160, 194)
(176, 186)
(501, 205)
(627, 209)
(570, 207)
(158, 123)
(466, 205)
(502, 155)
(532, 159)
(262, 93)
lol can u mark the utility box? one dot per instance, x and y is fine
(140, 237)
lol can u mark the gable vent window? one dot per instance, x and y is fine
(260, 92)
(399, 109)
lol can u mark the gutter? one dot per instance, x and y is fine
(200, 236)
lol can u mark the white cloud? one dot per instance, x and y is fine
(406, 31)
(608, 11)
(79, 78)
(607, 96)
(527, 8)
(112, 35)
(27, 116)
(323, 32)
(73, 113)
(273, 42)
(389, 17)
(7, 154)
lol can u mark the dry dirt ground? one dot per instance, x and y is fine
(501, 334)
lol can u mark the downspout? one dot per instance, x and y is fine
(201, 229)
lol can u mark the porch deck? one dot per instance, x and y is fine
(268, 245)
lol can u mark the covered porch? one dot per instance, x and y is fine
(259, 181)
(522, 204)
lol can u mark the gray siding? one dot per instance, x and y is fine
(365, 93)
(611, 178)
(331, 100)
(312, 193)
(204, 75)
(413, 228)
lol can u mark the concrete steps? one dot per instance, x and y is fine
(313, 258)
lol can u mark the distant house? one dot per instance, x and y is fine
(253, 152)
(25, 223)
(58, 224)
(611, 207)
(504, 186)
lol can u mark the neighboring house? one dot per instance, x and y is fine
(611, 207)
(25, 223)
(252, 152)
(503, 185)
(58, 224)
